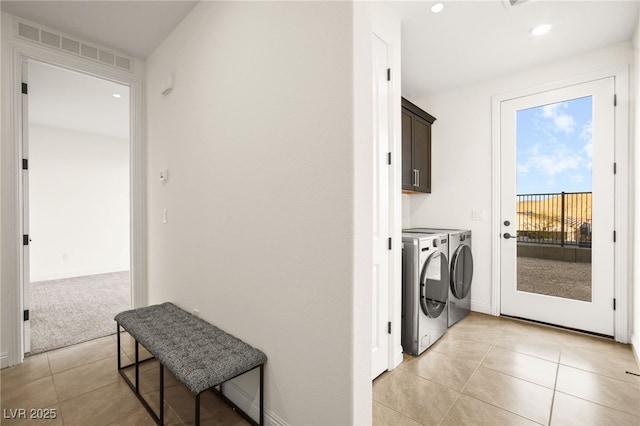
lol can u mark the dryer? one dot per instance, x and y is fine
(460, 270)
(425, 284)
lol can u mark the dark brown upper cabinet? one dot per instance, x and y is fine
(416, 148)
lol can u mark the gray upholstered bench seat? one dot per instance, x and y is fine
(199, 354)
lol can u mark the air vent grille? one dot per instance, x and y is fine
(57, 41)
(513, 3)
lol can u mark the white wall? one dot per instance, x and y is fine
(461, 152)
(258, 137)
(79, 203)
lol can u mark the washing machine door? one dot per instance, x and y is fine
(434, 285)
(461, 272)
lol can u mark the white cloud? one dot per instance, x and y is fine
(552, 165)
(562, 122)
(550, 111)
(554, 161)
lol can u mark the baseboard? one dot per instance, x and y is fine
(75, 274)
(635, 346)
(4, 360)
(397, 357)
(245, 401)
(483, 308)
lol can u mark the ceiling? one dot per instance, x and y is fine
(132, 27)
(470, 41)
(473, 41)
(70, 100)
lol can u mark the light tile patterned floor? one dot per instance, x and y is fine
(498, 371)
(484, 371)
(82, 384)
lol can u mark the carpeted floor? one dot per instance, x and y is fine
(73, 310)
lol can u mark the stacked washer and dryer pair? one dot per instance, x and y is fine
(437, 267)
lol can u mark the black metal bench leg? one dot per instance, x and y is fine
(118, 334)
(137, 368)
(161, 393)
(261, 394)
(198, 410)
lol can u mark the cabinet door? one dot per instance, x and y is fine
(407, 150)
(422, 154)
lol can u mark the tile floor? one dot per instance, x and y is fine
(485, 370)
(497, 371)
(84, 387)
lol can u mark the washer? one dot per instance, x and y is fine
(425, 281)
(461, 270)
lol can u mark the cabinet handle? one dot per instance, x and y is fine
(415, 177)
(418, 177)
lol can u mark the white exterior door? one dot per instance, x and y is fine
(26, 278)
(595, 312)
(381, 224)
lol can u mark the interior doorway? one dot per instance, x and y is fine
(76, 205)
(559, 222)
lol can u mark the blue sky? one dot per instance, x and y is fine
(554, 147)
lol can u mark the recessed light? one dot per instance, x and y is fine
(117, 95)
(437, 8)
(540, 29)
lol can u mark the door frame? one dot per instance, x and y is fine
(14, 52)
(387, 28)
(621, 215)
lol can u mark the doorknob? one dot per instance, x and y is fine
(507, 235)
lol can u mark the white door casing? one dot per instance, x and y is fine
(381, 200)
(15, 52)
(597, 315)
(25, 267)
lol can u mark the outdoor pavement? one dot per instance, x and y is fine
(555, 278)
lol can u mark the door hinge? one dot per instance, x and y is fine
(389, 327)
(388, 158)
(25, 315)
(25, 240)
(25, 88)
(25, 164)
(389, 243)
(615, 168)
(388, 74)
(615, 100)
(614, 236)
(614, 304)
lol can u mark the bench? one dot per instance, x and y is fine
(200, 355)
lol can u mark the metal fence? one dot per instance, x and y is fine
(557, 218)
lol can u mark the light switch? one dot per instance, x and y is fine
(477, 214)
(164, 215)
(164, 175)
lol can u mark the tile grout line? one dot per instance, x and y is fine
(469, 379)
(499, 372)
(555, 386)
(598, 404)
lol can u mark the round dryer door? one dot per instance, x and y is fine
(434, 285)
(461, 272)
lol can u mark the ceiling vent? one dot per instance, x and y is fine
(513, 3)
(33, 33)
